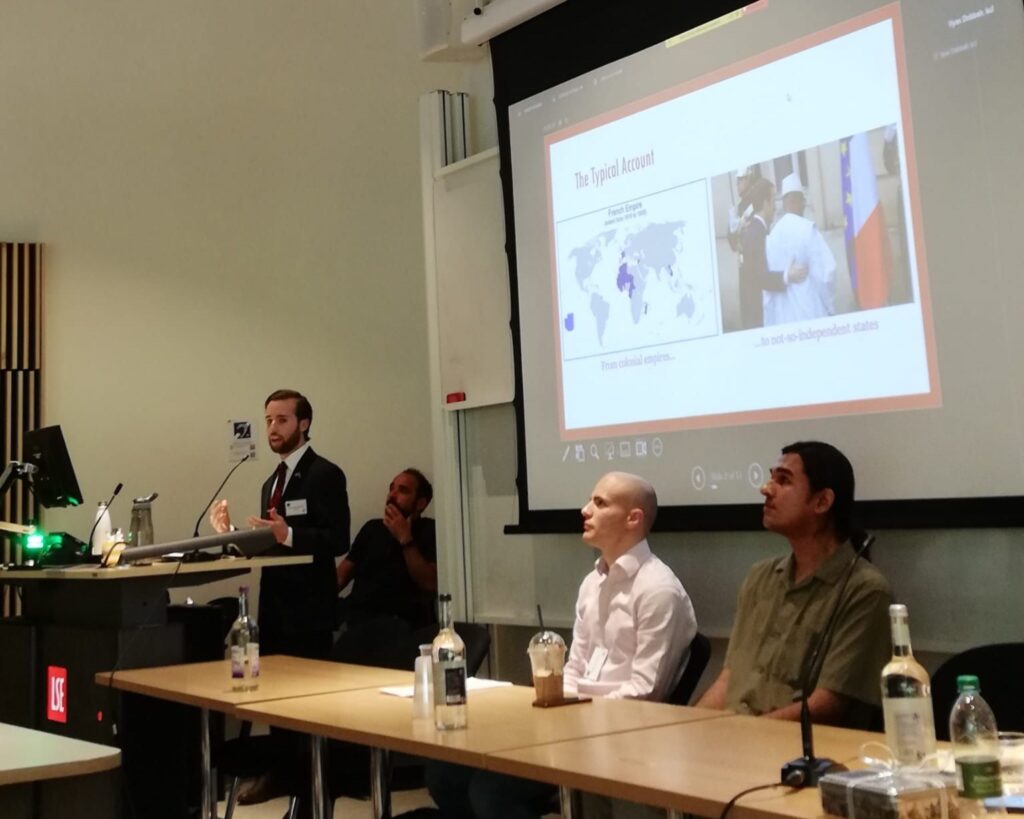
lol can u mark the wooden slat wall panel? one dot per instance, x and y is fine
(20, 381)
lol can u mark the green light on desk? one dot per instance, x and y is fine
(35, 542)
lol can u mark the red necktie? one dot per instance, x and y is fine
(282, 474)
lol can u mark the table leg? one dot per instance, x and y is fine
(380, 784)
(674, 814)
(319, 794)
(569, 802)
(208, 799)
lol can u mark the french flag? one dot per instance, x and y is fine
(867, 242)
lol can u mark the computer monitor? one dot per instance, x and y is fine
(54, 482)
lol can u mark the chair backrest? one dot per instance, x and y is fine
(999, 667)
(477, 638)
(228, 611)
(385, 642)
(700, 653)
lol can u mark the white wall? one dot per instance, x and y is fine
(228, 195)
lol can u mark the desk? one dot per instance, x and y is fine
(28, 756)
(208, 686)
(695, 767)
(499, 719)
(221, 567)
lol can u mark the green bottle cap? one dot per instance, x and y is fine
(967, 682)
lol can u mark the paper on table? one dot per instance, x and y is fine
(472, 684)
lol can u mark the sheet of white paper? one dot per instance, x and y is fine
(472, 684)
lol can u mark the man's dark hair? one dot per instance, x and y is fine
(828, 468)
(303, 409)
(423, 488)
(759, 193)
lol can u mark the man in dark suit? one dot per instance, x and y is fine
(755, 277)
(305, 504)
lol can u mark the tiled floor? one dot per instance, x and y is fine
(401, 801)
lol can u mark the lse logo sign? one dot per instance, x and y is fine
(56, 693)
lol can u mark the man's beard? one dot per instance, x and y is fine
(405, 513)
(289, 444)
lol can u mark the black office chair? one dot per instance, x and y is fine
(384, 642)
(228, 612)
(999, 668)
(700, 653)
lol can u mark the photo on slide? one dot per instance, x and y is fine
(817, 233)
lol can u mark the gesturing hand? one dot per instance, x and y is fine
(220, 520)
(278, 525)
(398, 524)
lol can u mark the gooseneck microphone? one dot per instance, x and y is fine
(806, 770)
(199, 520)
(110, 500)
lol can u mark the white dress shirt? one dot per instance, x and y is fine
(638, 612)
(290, 463)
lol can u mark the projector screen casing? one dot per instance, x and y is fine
(534, 58)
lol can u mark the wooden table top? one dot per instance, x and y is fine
(694, 767)
(29, 756)
(92, 571)
(208, 685)
(499, 718)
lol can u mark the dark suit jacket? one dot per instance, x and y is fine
(299, 601)
(755, 276)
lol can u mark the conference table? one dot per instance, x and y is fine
(679, 758)
(28, 756)
(207, 686)
(695, 767)
(499, 719)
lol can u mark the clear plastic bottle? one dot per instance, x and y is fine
(244, 643)
(906, 697)
(102, 529)
(423, 690)
(975, 740)
(448, 653)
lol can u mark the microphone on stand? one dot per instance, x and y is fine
(114, 494)
(199, 520)
(806, 770)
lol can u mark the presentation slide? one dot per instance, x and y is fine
(786, 224)
(644, 299)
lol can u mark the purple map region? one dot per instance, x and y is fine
(625, 279)
(649, 265)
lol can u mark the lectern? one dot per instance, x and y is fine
(80, 620)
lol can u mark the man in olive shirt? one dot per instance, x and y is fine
(785, 603)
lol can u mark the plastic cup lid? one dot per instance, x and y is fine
(545, 639)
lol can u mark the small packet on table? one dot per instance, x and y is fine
(889, 794)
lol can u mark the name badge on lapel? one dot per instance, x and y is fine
(295, 507)
(595, 664)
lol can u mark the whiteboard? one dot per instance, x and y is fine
(475, 340)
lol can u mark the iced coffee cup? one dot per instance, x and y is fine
(547, 659)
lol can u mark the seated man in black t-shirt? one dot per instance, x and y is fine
(392, 564)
